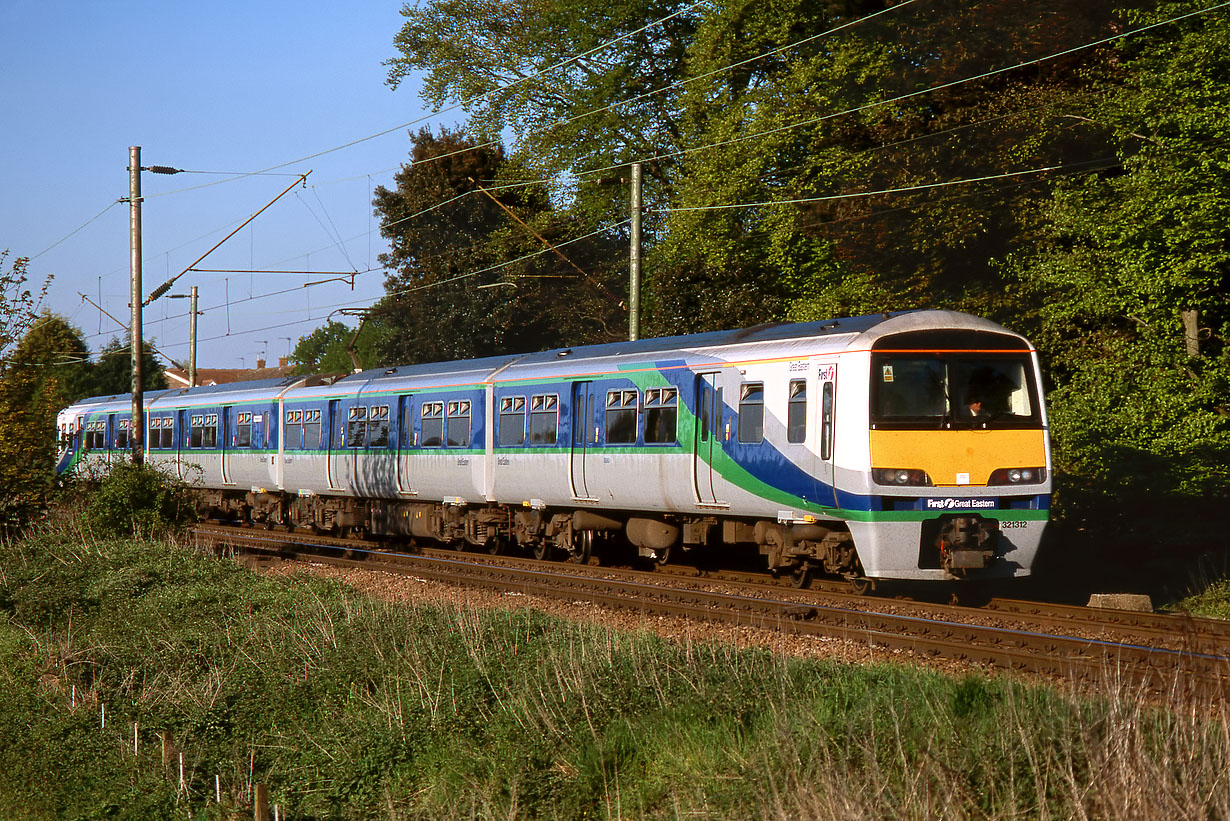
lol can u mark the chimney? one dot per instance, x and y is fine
(283, 361)
(260, 363)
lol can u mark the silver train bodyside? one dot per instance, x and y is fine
(838, 447)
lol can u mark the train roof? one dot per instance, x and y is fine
(480, 369)
(851, 333)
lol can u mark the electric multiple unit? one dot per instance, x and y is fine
(908, 446)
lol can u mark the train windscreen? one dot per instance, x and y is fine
(937, 390)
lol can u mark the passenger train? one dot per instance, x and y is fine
(908, 445)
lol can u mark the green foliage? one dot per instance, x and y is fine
(1212, 602)
(353, 708)
(144, 500)
(806, 161)
(1140, 412)
(19, 305)
(112, 373)
(324, 350)
(443, 231)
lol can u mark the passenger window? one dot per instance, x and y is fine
(433, 424)
(311, 429)
(621, 407)
(661, 415)
(121, 435)
(356, 429)
(210, 434)
(751, 413)
(196, 431)
(544, 419)
(243, 430)
(512, 421)
(796, 413)
(459, 424)
(294, 430)
(378, 427)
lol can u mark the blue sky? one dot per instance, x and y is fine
(217, 87)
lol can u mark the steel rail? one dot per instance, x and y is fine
(1157, 669)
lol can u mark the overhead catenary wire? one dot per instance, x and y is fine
(530, 78)
(913, 94)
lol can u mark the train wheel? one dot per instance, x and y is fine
(800, 577)
(661, 556)
(541, 550)
(583, 546)
(494, 546)
(458, 544)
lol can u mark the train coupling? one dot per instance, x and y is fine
(967, 543)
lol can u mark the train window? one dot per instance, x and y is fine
(751, 413)
(243, 429)
(512, 421)
(952, 389)
(796, 412)
(621, 407)
(95, 435)
(433, 424)
(121, 435)
(196, 431)
(661, 415)
(459, 424)
(293, 437)
(378, 426)
(999, 388)
(155, 432)
(210, 431)
(311, 429)
(356, 429)
(911, 388)
(826, 421)
(544, 419)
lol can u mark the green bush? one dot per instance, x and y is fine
(138, 499)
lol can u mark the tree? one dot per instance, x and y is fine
(112, 374)
(1140, 408)
(470, 280)
(19, 305)
(47, 369)
(324, 350)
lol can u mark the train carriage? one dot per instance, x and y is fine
(910, 445)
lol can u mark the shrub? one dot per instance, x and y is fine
(139, 500)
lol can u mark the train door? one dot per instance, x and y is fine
(180, 431)
(826, 411)
(226, 430)
(405, 441)
(708, 439)
(335, 443)
(111, 434)
(584, 437)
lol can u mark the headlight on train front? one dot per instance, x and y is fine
(1017, 476)
(901, 477)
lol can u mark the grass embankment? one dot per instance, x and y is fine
(350, 707)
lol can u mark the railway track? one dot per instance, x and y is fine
(1158, 653)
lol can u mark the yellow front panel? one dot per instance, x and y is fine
(950, 455)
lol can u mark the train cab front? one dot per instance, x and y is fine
(959, 453)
